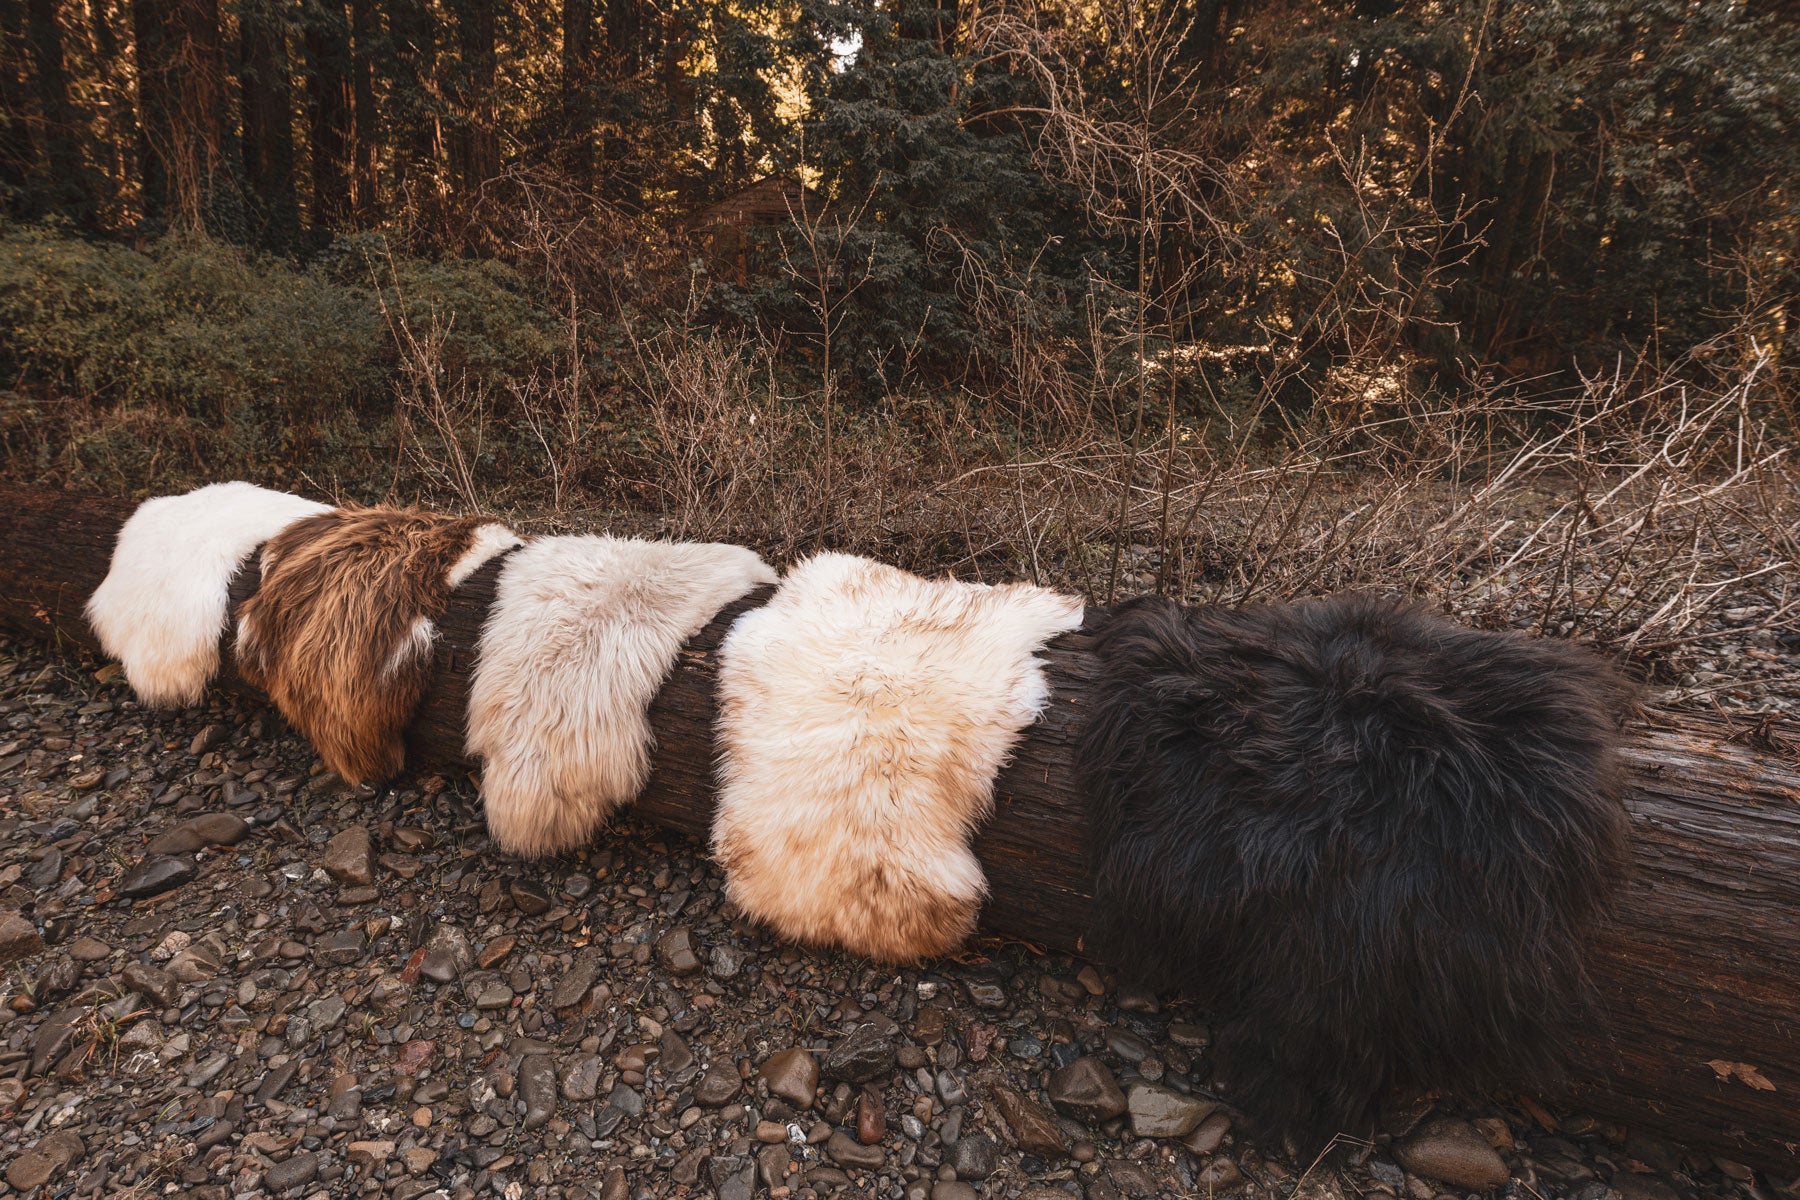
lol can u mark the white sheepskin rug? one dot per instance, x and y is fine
(161, 609)
(581, 635)
(863, 715)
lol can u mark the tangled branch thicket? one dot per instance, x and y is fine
(1661, 519)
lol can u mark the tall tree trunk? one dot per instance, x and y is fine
(365, 32)
(677, 89)
(151, 35)
(474, 150)
(412, 31)
(69, 188)
(181, 104)
(578, 87)
(18, 150)
(331, 112)
(625, 35)
(115, 107)
(266, 100)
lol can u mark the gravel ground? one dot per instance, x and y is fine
(225, 975)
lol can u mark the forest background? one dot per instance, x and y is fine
(1493, 304)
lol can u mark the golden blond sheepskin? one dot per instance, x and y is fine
(863, 715)
(161, 609)
(581, 635)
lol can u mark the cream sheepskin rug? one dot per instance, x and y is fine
(863, 715)
(161, 609)
(581, 635)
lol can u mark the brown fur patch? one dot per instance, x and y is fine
(340, 633)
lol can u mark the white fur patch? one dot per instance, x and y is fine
(488, 541)
(582, 632)
(162, 607)
(863, 715)
(417, 643)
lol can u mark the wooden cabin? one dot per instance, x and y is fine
(740, 234)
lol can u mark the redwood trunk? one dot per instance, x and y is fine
(266, 100)
(331, 113)
(1702, 965)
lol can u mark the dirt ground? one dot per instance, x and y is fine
(228, 975)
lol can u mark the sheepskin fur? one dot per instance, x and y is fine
(863, 715)
(1371, 841)
(341, 632)
(161, 610)
(581, 635)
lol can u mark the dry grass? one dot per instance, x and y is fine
(1653, 518)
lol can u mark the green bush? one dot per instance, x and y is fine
(492, 327)
(211, 331)
(225, 335)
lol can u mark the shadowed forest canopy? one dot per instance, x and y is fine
(255, 211)
(1569, 174)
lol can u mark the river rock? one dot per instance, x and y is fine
(733, 1176)
(1087, 1091)
(537, 1087)
(574, 984)
(19, 938)
(529, 897)
(871, 1117)
(793, 1075)
(868, 1052)
(292, 1171)
(447, 954)
(1034, 1130)
(350, 857)
(44, 1161)
(675, 950)
(218, 828)
(1452, 1151)
(975, 1156)
(153, 982)
(581, 1078)
(846, 1151)
(718, 1086)
(1160, 1112)
(156, 875)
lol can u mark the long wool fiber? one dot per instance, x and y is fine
(341, 632)
(863, 715)
(582, 633)
(162, 607)
(1370, 841)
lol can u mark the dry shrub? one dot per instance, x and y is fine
(1647, 516)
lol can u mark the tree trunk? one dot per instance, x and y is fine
(412, 37)
(181, 106)
(1699, 974)
(365, 192)
(331, 112)
(267, 102)
(18, 149)
(578, 87)
(625, 35)
(151, 39)
(474, 150)
(70, 187)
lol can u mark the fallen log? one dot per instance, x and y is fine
(1699, 973)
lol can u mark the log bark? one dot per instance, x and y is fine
(1699, 972)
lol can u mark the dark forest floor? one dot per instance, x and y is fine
(351, 993)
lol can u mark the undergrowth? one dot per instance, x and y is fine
(1652, 512)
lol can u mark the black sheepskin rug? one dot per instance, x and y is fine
(1369, 840)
